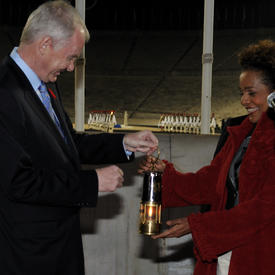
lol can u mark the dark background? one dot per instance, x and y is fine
(155, 14)
(144, 56)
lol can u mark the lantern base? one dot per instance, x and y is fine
(149, 228)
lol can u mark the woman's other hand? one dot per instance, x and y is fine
(150, 163)
(178, 228)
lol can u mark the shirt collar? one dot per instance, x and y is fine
(30, 74)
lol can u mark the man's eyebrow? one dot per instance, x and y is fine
(73, 56)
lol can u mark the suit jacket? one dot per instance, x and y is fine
(42, 186)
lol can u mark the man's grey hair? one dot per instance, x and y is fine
(57, 19)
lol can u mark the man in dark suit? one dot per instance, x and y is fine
(42, 186)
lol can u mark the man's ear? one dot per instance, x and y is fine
(45, 44)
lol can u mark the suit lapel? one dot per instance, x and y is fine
(38, 108)
(56, 103)
(43, 114)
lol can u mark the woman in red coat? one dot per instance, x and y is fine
(237, 236)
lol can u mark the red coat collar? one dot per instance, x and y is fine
(264, 131)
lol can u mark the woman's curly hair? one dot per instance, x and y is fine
(260, 57)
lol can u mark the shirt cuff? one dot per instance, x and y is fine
(127, 152)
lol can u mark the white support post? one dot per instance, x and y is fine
(207, 61)
(80, 79)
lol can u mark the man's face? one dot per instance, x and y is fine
(62, 58)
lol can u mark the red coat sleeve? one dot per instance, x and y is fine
(182, 189)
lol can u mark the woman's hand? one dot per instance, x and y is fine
(150, 163)
(179, 228)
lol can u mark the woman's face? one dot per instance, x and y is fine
(253, 94)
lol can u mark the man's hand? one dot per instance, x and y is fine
(143, 141)
(180, 227)
(109, 178)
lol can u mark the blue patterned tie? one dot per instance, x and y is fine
(48, 105)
